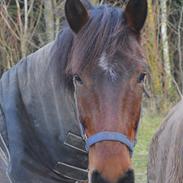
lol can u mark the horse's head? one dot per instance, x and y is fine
(108, 68)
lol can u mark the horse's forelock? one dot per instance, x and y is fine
(103, 32)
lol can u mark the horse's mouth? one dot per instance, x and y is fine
(96, 177)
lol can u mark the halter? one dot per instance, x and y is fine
(107, 136)
(103, 136)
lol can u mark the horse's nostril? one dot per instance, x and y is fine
(96, 177)
(128, 177)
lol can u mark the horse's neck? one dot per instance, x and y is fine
(39, 112)
(47, 73)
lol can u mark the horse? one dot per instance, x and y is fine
(70, 111)
(165, 162)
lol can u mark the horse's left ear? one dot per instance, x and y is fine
(136, 13)
(76, 14)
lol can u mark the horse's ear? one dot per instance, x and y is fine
(136, 13)
(76, 14)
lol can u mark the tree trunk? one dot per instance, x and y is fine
(165, 44)
(49, 19)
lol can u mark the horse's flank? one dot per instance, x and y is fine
(166, 149)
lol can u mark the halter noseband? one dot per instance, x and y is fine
(107, 136)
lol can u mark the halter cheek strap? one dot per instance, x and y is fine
(109, 136)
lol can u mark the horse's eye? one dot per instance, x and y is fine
(141, 77)
(77, 79)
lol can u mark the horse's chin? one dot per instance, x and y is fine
(127, 177)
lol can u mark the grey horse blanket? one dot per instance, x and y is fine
(39, 135)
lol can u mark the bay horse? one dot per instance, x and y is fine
(83, 89)
(165, 163)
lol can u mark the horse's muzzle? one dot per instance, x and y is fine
(128, 177)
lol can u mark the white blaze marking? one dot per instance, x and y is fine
(109, 68)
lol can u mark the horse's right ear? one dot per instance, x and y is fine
(76, 14)
(136, 13)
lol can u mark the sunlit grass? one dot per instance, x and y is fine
(147, 128)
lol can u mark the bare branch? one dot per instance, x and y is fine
(19, 16)
(178, 89)
(9, 26)
(30, 8)
(179, 46)
(25, 16)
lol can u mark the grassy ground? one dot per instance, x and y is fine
(147, 128)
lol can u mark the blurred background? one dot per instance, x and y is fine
(27, 25)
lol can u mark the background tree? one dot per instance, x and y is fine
(27, 25)
(175, 30)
